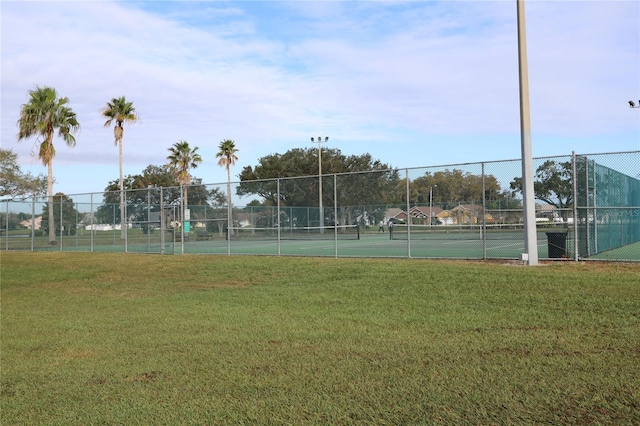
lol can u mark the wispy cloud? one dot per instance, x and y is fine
(369, 74)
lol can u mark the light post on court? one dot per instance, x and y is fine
(320, 141)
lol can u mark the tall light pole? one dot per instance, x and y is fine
(326, 139)
(530, 233)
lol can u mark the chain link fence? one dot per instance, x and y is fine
(587, 208)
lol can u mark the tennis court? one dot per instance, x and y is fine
(462, 244)
(594, 213)
(369, 243)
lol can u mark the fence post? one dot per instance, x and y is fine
(33, 222)
(408, 192)
(6, 227)
(162, 220)
(61, 224)
(574, 190)
(484, 215)
(92, 217)
(183, 202)
(124, 226)
(278, 212)
(335, 213)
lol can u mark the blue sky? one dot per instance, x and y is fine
(413, 83)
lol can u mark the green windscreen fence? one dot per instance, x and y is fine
(608, 207)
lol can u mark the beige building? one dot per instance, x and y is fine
(37, 223)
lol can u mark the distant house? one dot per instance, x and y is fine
(467, 214)
(37, 223)
(395, 213)
(470, 214)
(546, 211)
(424, 214)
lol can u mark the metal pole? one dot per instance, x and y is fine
(321, 218)
(122, 208)
(335, 213)
(61, 223)
(408, 215)
(113, 210)
(181, 212)
(77, 224)
(173, 227)
(326, 139)
(92, 225)
(587, 206)
(162, 221)
(148, 218)
(125, 223)
(574, 189)
(33, 222)
(6, 227)
(229, 219)
(484, 215)
(595, 205)
(430, 206)
(530, 234)
(278, 211)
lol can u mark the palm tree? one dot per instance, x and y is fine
(120, 111)
(227, 156)
(41, 117)
(181, 159)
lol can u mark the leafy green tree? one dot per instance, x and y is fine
(356, 192)
(299, 162)
(182, 159)
(552, 184)
(12, 221)
(139, 191)
(143, 196)
(452, 187)
(365, 185)
(65, 213)
(43, 115)
(16, 184)
(120, 111)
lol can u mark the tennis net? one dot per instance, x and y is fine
(461, 232)
(342, 232)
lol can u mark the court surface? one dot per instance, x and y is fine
(368, 245)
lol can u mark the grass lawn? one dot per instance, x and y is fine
(111, 338)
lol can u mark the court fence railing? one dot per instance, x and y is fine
(587, 208)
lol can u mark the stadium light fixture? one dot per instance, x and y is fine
(326, 139)
(633, 105)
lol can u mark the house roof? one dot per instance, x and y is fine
(425, 211)
(396, 212)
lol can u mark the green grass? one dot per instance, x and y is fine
(95, 338)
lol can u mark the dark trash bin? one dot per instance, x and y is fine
(557, 244)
